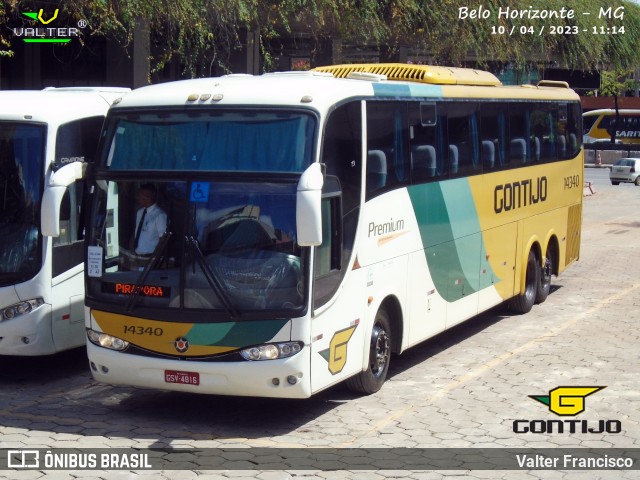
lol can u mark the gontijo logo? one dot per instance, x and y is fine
(46, 33)
(567, 401)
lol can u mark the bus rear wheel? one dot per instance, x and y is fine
(523, 303)
(372, 379)
(544, 285)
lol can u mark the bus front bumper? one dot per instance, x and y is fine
(28, 334)
(283, 378)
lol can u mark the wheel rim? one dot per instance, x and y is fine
(546, 272)
(530, 290)
(380, 351)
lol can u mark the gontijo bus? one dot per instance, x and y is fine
(46, 139)
(320, 221)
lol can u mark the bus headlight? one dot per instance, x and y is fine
(13, 311)
(271, 351)
(106, 341)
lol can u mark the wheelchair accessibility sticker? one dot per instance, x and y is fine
(199, 192)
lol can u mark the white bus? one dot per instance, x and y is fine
(45, 139)
(319, 221)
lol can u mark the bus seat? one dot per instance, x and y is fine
(519, 150)
(488, 154)
(376, 170)
(536, 149)
(424, 161)
(573, 142)
(453, 159)
(562, 145)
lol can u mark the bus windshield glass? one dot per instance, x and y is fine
(21, 160)
(227, 246)
(206, 140)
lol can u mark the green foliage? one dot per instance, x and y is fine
(202, 34)
(613, 83)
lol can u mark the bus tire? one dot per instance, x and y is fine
(523, 302)
(637, 182)
(544, 284)
(372, 379)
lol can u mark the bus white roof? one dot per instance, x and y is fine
(612, 111)
(57, 105)
(286, 89)
(318, 90)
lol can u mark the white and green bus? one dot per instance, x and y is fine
(47, 137)
(320, 221)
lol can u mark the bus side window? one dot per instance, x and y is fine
(543, 141)
(493, 132)
(68, 247)
(574, 139)
(388, 157)
(464, 141)
(427, 142)
(519, 133)
(341, 154)
(78, 140)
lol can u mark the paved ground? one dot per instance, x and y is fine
(462, 389)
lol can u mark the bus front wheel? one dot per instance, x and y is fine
(523, 302)
(371, 380)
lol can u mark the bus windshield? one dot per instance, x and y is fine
(21, 157)
(229, 246)
(229, 140)
(588, 121)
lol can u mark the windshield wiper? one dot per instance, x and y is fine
(213, 281)
(151, 264)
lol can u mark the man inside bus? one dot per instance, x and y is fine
(151, 221)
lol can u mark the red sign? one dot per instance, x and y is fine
(187, 378)
(129, 288)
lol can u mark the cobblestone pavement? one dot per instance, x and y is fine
(462, 389)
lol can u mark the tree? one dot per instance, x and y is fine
(202, 34)
(613, 83)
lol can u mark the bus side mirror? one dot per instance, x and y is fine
(308, 207)
(52, 197)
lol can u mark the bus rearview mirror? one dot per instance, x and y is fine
(308, 207)
(52, 197)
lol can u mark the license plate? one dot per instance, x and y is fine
(187, 378)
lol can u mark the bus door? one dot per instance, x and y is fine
(68, 272)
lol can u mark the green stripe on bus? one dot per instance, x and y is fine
(401, 90)
(234, 334)
(451, 236)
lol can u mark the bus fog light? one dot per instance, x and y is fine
(292, 379)
(271, 351)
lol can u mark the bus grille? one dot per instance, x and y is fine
(574, 222)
